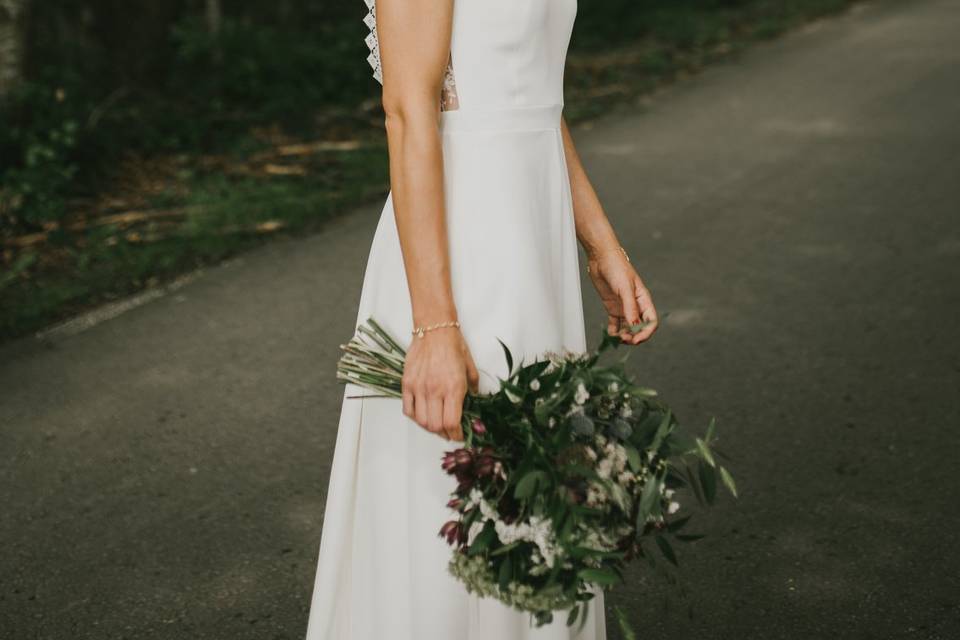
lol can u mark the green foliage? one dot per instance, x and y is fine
(39, 142)
(107, 81)
(543, 510)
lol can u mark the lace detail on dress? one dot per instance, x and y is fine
(373, 43)
(448, 93)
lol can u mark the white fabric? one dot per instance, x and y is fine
(515, 274)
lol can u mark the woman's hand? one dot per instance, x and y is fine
(624, 296)
(438, 372)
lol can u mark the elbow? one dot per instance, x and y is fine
(402, 112)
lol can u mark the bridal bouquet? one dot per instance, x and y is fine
(566, 474)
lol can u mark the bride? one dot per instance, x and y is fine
(477, 241)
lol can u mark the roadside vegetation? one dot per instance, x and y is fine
(143, 142)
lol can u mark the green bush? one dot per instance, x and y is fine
(40, 144)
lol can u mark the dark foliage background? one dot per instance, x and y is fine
(165, 107)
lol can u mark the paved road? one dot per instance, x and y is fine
(162, 473)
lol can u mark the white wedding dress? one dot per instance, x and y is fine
(382, 570)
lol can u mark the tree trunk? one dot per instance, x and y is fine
(12, 47)
(214, 17)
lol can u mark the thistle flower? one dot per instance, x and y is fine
(485, 466)
(451, 531)
(581, 424)
(621, 428)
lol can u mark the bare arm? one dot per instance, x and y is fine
(625, 297)
(414, 46)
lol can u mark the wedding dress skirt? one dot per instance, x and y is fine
(382, 570)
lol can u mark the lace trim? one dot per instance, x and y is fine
(449, 101)
(373, 43)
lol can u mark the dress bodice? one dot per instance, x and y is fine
(504, 54)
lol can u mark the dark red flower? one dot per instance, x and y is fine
(451, 531)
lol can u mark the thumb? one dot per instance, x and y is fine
(473, 377)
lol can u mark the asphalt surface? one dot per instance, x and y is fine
(797, 213)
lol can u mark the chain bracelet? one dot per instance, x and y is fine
(620, 249)
(419, 332)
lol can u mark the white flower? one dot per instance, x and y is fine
(668, 493)
(551, 422)
(604, 468)
(538, 531)
(626, 411)
(581, 394)
(596, 496)
(535, 385)
(673, 507)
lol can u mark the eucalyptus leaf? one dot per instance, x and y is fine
(666, 550)
(528, 484)
(633, 457)
(728, 481)
(603, 577)
(509, 358)
(704, 449)
(624, 624)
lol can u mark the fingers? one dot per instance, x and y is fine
(613, 325)
(631, 312)
(435, 414)
(407, 401)
(647, 312)
(452, 408)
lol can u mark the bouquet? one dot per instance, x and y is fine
(566, 474)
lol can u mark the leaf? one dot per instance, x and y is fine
(708, 479)
(583, 618)
(728, 481)
(662, 431)
(483, 540)
(675, 525)
(689, 537)
(710, 430)
(506, 573)
(633, 457)
(603, 577)
(527, 486)
(573, 615)
(648, 497)
(624, 624)
(667, 550)
(508, 356)
(705, 452)
(505, 549)
(694, 484)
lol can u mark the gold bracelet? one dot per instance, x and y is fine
(450, 324)
(620, 249)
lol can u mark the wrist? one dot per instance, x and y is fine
(421, 331)
(594, 258)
